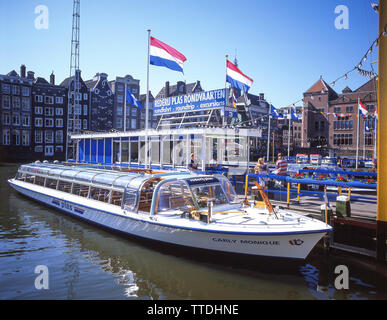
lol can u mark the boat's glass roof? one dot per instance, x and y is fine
(98, 176)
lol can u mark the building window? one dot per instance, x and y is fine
(134, 124)
(16, 119)
(85, 96)
(85, 108)
(120, 88)
(349, 109)
(119, 111)
(59, 111)
(16, 102)
(84, 124)
(25, 91)
(48, 136)
(6, 102)
(49, 122)
(78, 110)
(59, 100)
(26, 104)
(49, 111)
(59, 123)
(16, 137)
(38, 149)
(119, 122)
(38, 110)
(15, 90)
(77, 124)
(48, 150)
(120, 98)
(38, 136)
(371, 108)
(49, 100)
(6, 137)
(59, 136)
(6, 88)
(38, 122)
(25, 138)
(38, 98)
(6, 119)
(337, 110)
(26, 120)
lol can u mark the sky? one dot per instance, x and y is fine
(284, 46)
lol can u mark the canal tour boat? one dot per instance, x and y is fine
(180, 208)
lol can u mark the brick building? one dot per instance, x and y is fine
(330, 119)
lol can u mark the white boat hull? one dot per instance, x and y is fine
(279, 244)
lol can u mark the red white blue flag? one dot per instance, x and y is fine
(164, 55)
(236, 77)
(362, 109)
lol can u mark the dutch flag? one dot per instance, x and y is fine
(362, 109)
(163, 55)
(236, 78)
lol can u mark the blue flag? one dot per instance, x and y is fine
(131, 99)
(294, 115)
(275, 113)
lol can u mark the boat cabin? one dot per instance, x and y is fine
(144, 192)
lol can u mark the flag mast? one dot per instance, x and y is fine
(147, 102)
(268, 134)
(358, 132)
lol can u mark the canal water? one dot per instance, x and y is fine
(85, 262)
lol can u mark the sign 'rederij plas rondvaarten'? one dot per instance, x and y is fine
(198, 101)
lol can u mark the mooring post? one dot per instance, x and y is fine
(381, 217)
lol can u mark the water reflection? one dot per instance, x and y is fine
(88, 263)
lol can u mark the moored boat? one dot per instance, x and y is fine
(180, 208)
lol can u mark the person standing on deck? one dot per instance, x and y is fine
(193, 165)
(281, 166)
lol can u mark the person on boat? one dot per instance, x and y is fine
(281, 166)
(261, 168)
(193, 165)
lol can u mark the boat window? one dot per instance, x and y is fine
(39, 181)
(64, 186)
(51, 183)
(206, 192)
(174, 196)
(130, 199)
(99, 194)
(30, 178)
(20, 176)
(116, 198)
(229, 190)
(80, 190)
(146, 195)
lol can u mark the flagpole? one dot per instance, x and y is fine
(147, 102)
(268, 135)
(125, 107)
(290, 119)
(225, 88)
(375, 136)
(358, 132)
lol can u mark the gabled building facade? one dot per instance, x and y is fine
(16, 114)
(49, 119)
(101, 103)
(330, 119)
